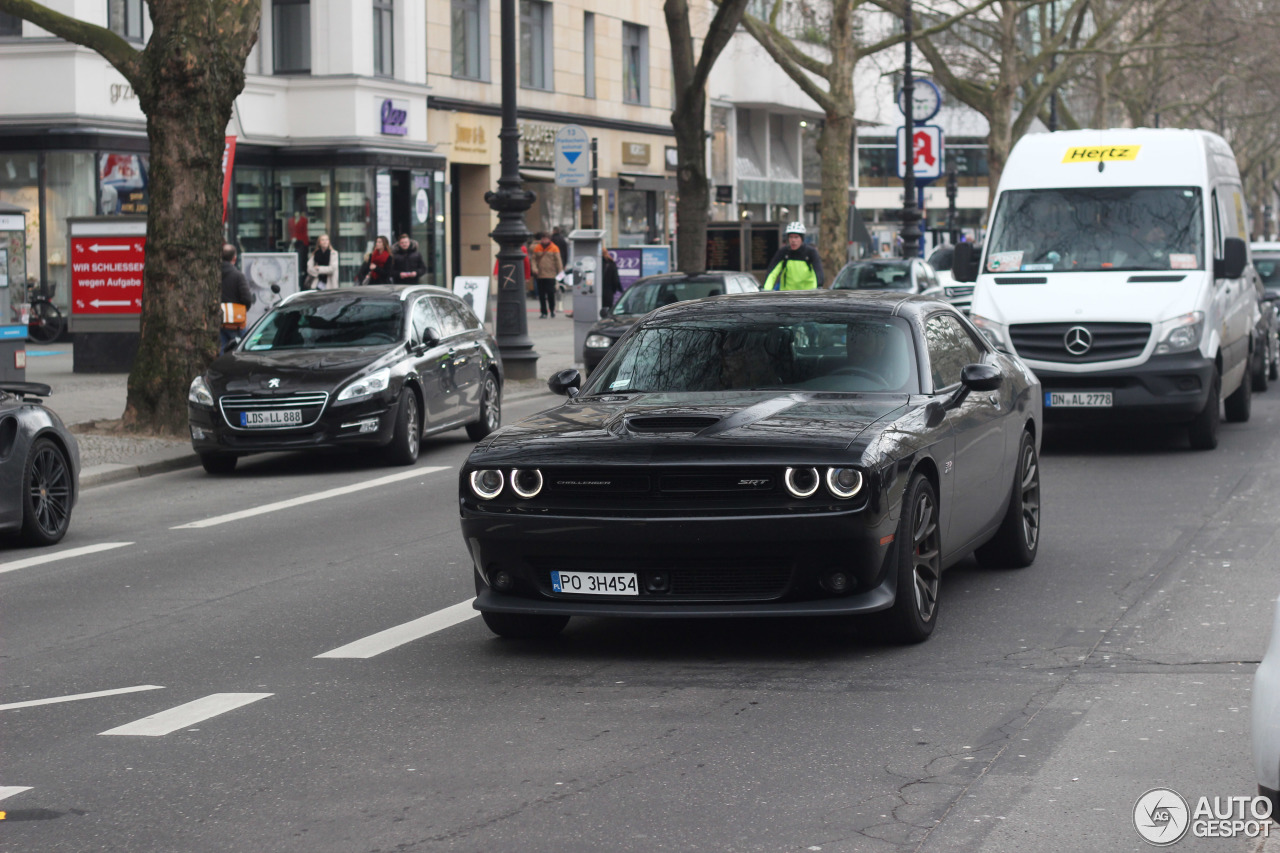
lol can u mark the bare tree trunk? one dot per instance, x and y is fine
(835, 144)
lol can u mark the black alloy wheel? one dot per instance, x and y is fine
(524, 626)
(919, 543)
(1203, 431)
(218, 463)
(407, 437)
(490, 409)
(46, 494)
(1016, 542)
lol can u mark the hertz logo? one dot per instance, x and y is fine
(1100, 153)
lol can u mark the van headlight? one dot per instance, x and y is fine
(1180, 334)
(995, 332)
(367, 386)
(199, 393)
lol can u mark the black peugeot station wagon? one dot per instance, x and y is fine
(370, 368)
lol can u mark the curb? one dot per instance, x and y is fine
(115, 472)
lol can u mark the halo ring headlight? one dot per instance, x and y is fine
(802, 482)
(844, 483)
(487, 483)
(526, 482)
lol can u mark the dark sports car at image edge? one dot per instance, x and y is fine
(39, 466)
(817, 453)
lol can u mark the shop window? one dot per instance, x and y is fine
(20, 185)
(355, 228)
(589, 54)
(69, 180)
(124, 18)
(10, 26)
(535, 44)
(123, 184)
(635, 64)
(383, 38)
(254, 228)
(470, 39)
(291, 36)
(302, 210)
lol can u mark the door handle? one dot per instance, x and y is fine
(994, 400)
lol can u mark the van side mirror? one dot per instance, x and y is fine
(964, 263)
(1234, 258)
(566, 382)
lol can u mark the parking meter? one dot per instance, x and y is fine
(585, 246)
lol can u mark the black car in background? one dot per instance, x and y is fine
(808, 453)
(1265, 273)
(373, 368)
(653, 292)
(39, 466)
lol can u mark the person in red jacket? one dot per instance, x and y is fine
(528, 270)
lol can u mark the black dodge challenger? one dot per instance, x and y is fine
(770, 454)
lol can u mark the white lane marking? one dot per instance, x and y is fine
(5, 793)
(61, 555)
(74, 697)
(376, 644)
(306, 499)
(189, 714)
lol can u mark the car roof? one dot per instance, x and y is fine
(367, 291)
(1264, 246)
(881, 262)
(883, 302)
(709, 275)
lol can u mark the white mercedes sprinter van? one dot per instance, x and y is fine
(1114, 266)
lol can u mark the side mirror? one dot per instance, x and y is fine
(1235, 257)
(605, 312)
(964, 263)
(566, 382)
(430, 336)
(275, 288)
(981, 377)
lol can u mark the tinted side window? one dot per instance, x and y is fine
(950, 349)
(450, 314)
(423, 318)
(464, 312)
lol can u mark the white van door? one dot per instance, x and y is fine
(1231, 298)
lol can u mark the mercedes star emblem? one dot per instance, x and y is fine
(1077, 340)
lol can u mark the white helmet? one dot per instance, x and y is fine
(795, 228)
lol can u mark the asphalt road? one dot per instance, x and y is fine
(278, 715)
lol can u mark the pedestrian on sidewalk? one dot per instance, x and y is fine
(378, 264)
(547, 265)
(236, 293)
(557, 237)
(322, 266)
(409, 266)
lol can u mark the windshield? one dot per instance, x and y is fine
(644, 296)
(814, 352)
(941, 258)
(1088, 230)
(1268, 266)
(332, 323)
(873, 277)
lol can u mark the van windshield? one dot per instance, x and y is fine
(1096, 229)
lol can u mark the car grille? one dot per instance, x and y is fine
(1109, 341)
(705, 580)
(311, 405)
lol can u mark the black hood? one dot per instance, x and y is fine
(646, 428)
(614, 326)
(297, 370)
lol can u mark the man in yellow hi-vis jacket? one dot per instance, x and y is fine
(796, 266)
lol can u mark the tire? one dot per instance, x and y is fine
(46, 323)
(524, 626)
(1203, 431)
(1239, 405)
(919, 565)
(1260, 377)
(490, 409)
(1273, 369)
(218, 463)
(406, 440)
(1016, 542)
(47, 494)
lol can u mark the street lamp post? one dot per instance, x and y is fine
(519, 361)
(910, 213)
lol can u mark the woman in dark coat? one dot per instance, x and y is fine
(380, 266)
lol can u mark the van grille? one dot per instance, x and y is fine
(1106, 341)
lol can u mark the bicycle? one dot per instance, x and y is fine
(45, 323)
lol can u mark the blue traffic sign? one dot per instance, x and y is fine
(572, 157)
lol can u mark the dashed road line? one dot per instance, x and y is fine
(6, 792)
(306, 499)
(166, 722)
(75, 697)
(376, 644)
(61, 555)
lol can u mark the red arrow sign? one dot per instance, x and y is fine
(106, 274)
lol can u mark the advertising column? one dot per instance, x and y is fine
(106, 256)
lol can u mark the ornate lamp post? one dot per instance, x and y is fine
(910, 213)
(519, 361)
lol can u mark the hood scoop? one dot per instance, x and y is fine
(670, 423)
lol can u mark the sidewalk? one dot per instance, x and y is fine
(91, 403)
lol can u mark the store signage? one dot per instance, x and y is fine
(13, 222)
(106, 274)
(471, 139)
(927, 151)
(537, 143)
(395, 117)
(228, 164)
(635, 153)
